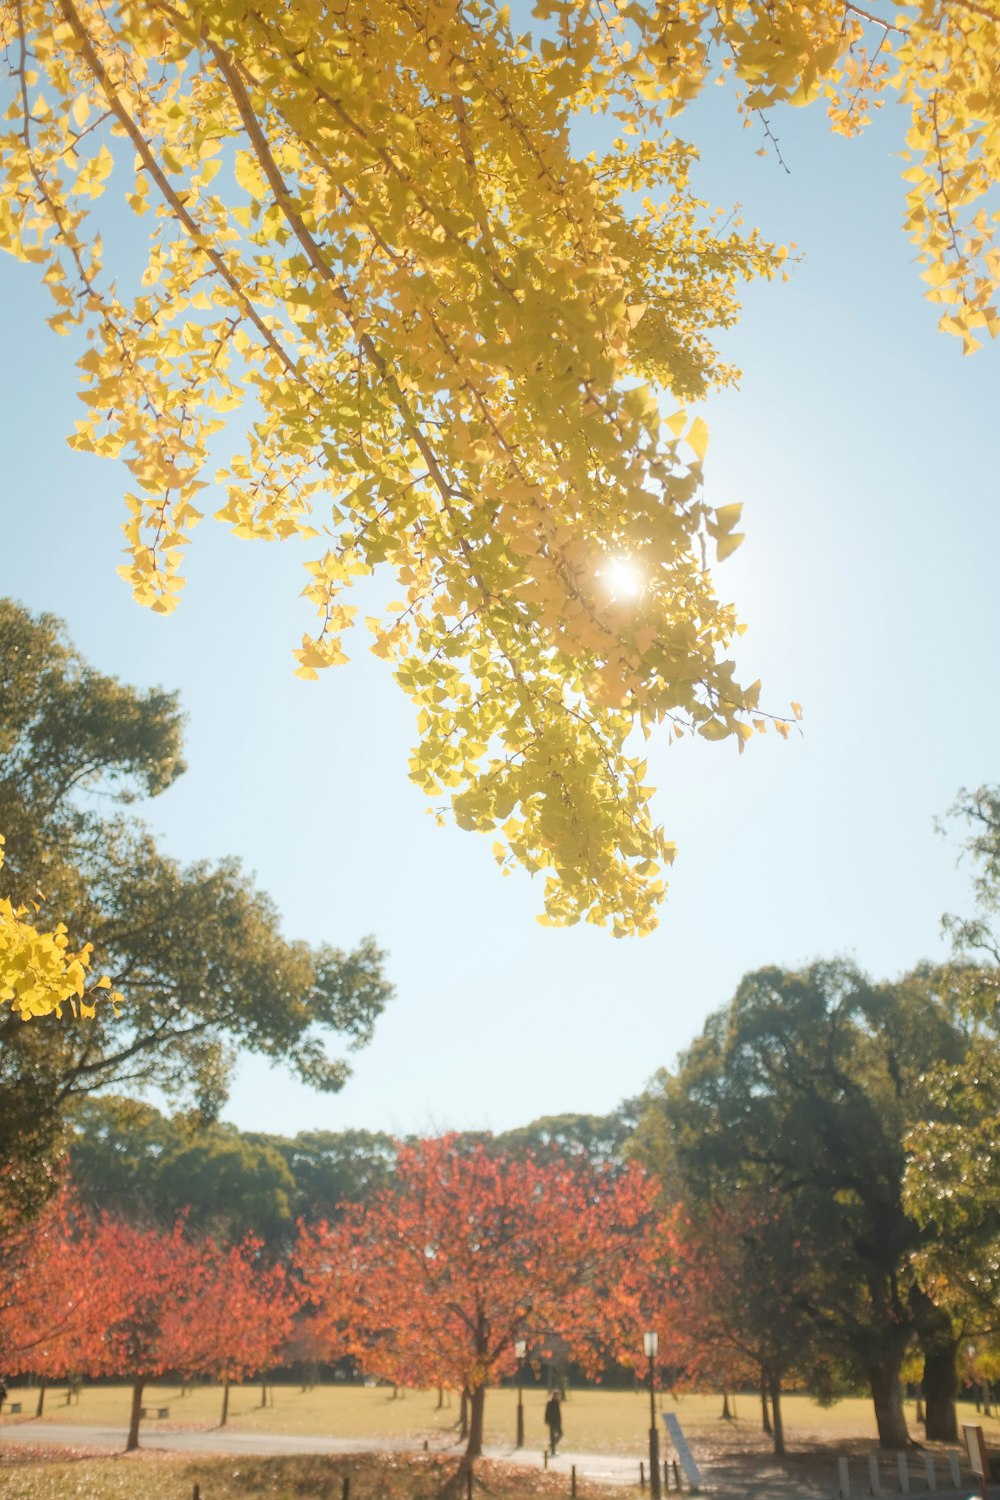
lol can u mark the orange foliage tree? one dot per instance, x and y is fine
(149, 1274)
(437, 1277)
(53, 1303)
(235, 1315)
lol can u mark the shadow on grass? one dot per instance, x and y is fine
(377, 1477)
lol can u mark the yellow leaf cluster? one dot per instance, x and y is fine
(39, 974)
(939, 57)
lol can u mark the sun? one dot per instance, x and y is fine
(622, 578)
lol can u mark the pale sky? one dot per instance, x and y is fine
(865, 450)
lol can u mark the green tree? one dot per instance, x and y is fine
(67, 730)
(953, 1176)
(976, 938)
(333, 1167)
(598, 1139)
(129, 1160)
(739, 1301)
(953, 1180)
(115, 1146)
(197, 951)
(804, 1088)
(229, 1185)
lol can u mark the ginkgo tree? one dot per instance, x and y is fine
(461, 346)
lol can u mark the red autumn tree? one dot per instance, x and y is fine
(150, 1275)
(437, 1277)
(310, 1341)
(234, 1315)
(646, 1298)
(53, 1307)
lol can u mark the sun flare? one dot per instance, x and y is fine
(622, 578)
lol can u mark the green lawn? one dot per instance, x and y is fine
(595, 1421)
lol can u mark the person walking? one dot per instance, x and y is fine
(553, 1421)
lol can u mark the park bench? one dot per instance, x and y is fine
(14, 1407)
(155, 1411)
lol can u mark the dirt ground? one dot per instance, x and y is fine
(750, 1471)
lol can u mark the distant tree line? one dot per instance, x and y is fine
(128, 1157)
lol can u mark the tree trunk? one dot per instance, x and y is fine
(477, 1395)
(440, 1398)
(463, 1416)
(888, 1398)
(40, 1406)
(765, 1411)
(939, 1344)
(774, 1390)
(474, 1447)
(132, 1441)
(225, 1402)
(725, 1415)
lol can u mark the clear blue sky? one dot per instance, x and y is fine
(865, 450)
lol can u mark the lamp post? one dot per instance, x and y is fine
(650, 1344)
(520, 1350)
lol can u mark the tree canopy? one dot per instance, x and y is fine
(461, 343)
(439, 1275)
(737, 1303)
(197, 951)
(127, 1159)
(952, 1185)
(798, 1097)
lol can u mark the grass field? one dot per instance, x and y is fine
(594, 1421)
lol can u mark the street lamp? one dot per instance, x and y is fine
(520, 1350)
(650, 1344)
